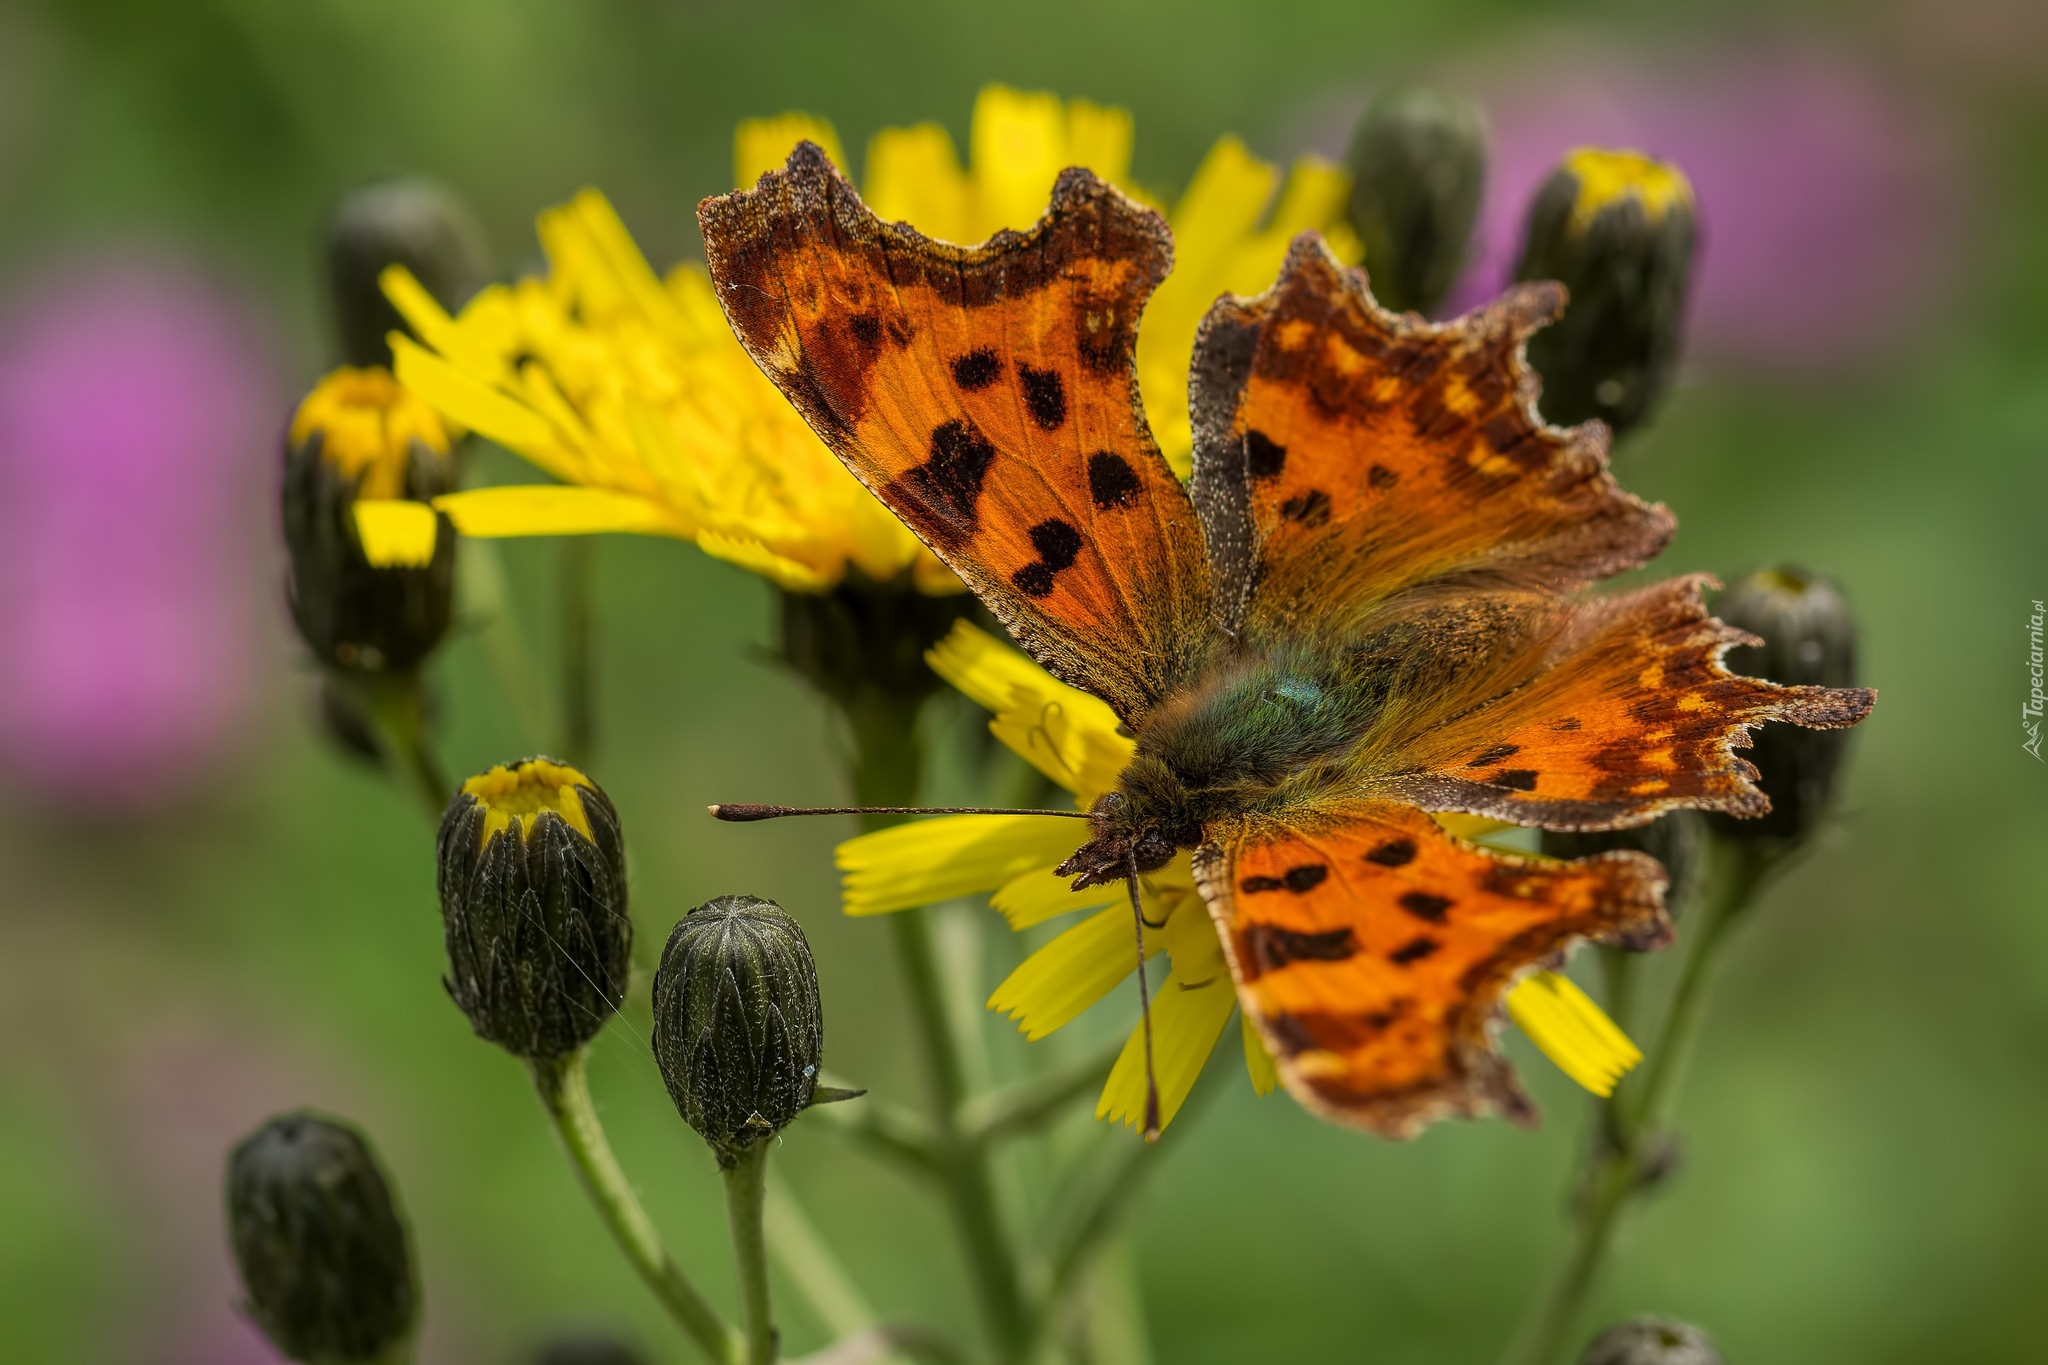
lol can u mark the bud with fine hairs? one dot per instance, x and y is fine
(532, 879)
(738, 1032)
(407, 221)
(1809, 638)
(1618, 229)
(1417, 163)
(320, 1243)
(372, 564)
(1651, 1341)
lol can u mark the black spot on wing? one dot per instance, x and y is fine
(867, 330)
(1310, 509)
(1058, 545)
(1393, 853)
(1045, 394)
(1424, 906)
(1268, 947)
(1111, 480)
(1495, 755)
(1264, 457)
(977, 369)
(946, 488)
(1305, 877)
(1381, 477)
(1565, 723)
(1414, 950)
(1514, 779)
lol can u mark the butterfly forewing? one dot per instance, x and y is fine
(1371, 949)
(989, 397)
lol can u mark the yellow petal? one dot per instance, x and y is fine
(432, 324)
(483, 409)
(914, 177)
(761, 145)
(1099, 137)
(1469, 826)
(1053, 986)
(1043, 894)
(1188, 1014)
(1066, 734)
(1257, 1061)
(552, 510)
(954, 855)
(1572, 1031)
(396, 533)
(1018, 146)
(755, 557)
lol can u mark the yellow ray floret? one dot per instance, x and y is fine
(515, 797)
(1572, 1031)
(396, 533)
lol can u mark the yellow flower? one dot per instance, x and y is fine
(630, 389)
(1072, 738)
(367, 424)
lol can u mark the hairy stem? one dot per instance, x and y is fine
(746, 1186)
(565, 1093)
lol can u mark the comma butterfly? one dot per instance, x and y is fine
(1365, 608)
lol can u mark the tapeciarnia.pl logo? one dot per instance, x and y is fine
(2030, 714)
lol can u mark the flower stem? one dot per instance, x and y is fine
(579, 669)
(395, 704)
(746, 1187)
(565, 1092)
(1636, 1114)
(886, 772)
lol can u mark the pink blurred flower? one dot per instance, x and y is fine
(1824, 208)
(136, 417)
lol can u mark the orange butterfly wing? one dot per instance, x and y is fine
(989, 396)
(1372, 949)
(1628, 713)
(1344, 454)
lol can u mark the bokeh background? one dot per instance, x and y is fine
(207, 915)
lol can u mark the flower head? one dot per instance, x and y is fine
(629, 388)
(1074, 739)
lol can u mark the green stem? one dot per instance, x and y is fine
(1636, 1114)
(808, 1263)
(565, 1092)
(395, 704)
(1030, 1105)
(746, 1187)
(579, 666)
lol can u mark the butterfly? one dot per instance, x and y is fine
(1366, 607)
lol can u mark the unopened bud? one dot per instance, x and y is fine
(1675, 839)
(410, 222)
(589, 1348)
(1651, 1341)
(533, 902)
(361, 439)
(319, 1242)
(738, 1032)
(1618, 229)
(1417, 163)
(1809, 639)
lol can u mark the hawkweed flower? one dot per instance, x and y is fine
(319, 1242)
(738, 1033)
(372, 568)
(630, 389)
(532, 881)
(1074, 739)
(1617, 228)
(1417, 164)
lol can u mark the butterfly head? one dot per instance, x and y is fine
(1140, 825)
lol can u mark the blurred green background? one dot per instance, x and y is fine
(1864, 1120)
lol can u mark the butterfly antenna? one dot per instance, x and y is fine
(741, 813)
(1144, 1005)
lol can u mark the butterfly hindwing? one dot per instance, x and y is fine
(1372, 949)
(989, 396)
(1344, 454)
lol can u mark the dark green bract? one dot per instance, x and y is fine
(1417, 163)
(319, 1243)
(738, 1032)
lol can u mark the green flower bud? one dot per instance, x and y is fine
(319, 1242)
(410, 222)
(1676, 839)
(1417, 163)
(737, 1028)
(1809, 638)
(1651, 1341)
(1618, 229)
(533, 901)
(359, 435)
